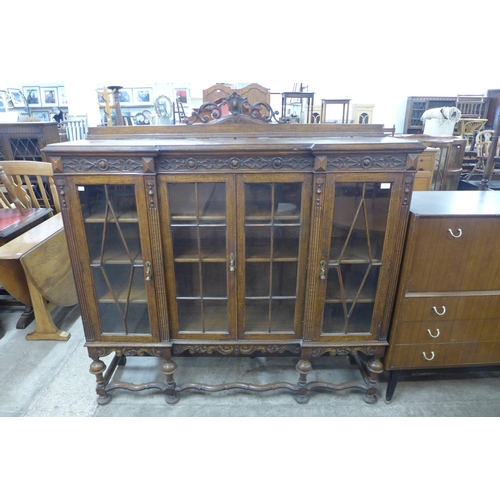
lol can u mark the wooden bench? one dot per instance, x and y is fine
(35, 269)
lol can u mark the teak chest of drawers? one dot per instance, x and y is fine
(447, 311)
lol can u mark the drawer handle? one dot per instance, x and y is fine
(459, 233)
(439, 313)
(434, 336)
(429, 359)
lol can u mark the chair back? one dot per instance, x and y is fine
(483, 141)
(33, 184)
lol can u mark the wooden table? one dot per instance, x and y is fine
(13, 224)
(35, 269)
(307, 96)
(345, 108)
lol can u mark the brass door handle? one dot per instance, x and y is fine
(232, 265)
(149, 272)
(322, 270)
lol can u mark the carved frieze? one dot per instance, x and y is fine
(343, 350)
(129, 351)
(384, 162)
(236, 163)
(235, 350)
(102, 164)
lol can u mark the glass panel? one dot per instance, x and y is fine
(185, 243)
(108, 202)
(213, 243)
(257, 316)
(182, 200)
(352, 282)
(112, 231)
(212, 201)
(198, 229)
(203, 316)
(258, 242)
(284, 279)
(334, 320)
(189, 315)
(272, 232)
(257, 279)
(282, 315)
(287, 201)
(286, 242)
(214, 279)
(187, 279)
(358, 233)
(258, 200)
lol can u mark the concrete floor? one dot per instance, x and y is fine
(52, 379)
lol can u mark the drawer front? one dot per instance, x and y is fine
(449, 308)
(469, 330)
(455, 254)
(442, 355)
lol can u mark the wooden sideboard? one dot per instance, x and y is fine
(261, 240)
(449, 158)
(447, 311)
(25, 140)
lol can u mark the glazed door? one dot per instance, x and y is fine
(273, 215)
(349, 274)
(201, 254)
(117, 263)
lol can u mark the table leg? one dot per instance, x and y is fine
(45, 328)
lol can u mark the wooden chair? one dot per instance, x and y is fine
(482, 147)
(33, 184)
(471, 106)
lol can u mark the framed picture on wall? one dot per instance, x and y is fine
(182, 95)
(42, 115)
(49, 96)
(61, 96)
(3, 101)
(126, 97)
(32, 95)
(143, 96)
(16, 98)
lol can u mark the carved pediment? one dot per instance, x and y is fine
(233, 109)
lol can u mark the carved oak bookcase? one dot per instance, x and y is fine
(236, 239)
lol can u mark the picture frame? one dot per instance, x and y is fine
(32, 95)
(143, 96)
(43, 115)
(3, 101)
(49, 97)
(183, 95)
(126, 97)
(16, 98)
(61, 96)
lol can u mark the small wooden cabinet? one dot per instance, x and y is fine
(448, 161)
(25, 140)
(236, 239)
(447, 311)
